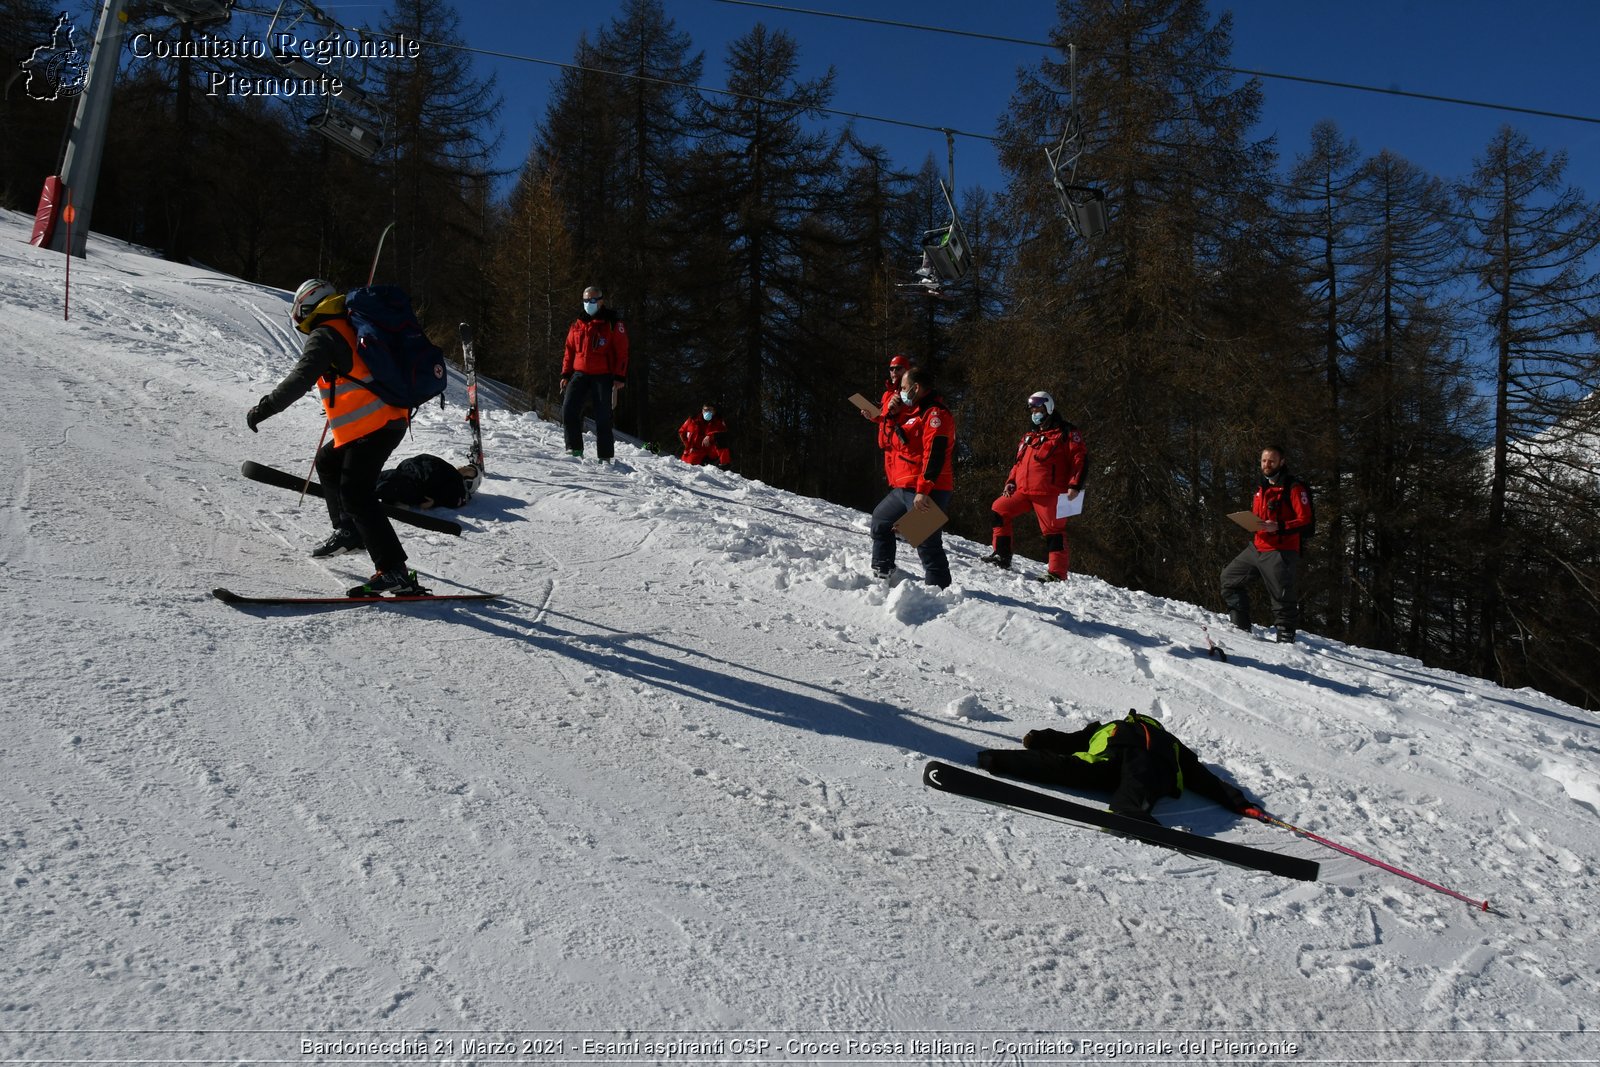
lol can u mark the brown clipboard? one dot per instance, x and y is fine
(916, 526)
(865, 405)
(1248, 519)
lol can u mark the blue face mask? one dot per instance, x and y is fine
(590, 307)
(1038, 418)
(707, 414)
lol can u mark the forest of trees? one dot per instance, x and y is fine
(1425, 346)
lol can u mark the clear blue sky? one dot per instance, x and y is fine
(1537, 55)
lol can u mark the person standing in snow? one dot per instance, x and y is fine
(364, 431)
(1135, 759)
(918, 463)
(889, 406)
(702, 438)
(1283, 504)
(1050, 464)
(594, 366)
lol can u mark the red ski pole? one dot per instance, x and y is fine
(1275, 821)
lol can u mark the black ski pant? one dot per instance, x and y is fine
(890, 510)
(583, 389)
(1280, 573)
(349, 474)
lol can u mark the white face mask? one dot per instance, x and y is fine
(905, 397)
(1038, 418)
(590, 307)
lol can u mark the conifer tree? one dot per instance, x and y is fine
(763, 188)
(1532, 252)
(440, 112)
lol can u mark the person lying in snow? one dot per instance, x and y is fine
(429, 482)
(1135, 759)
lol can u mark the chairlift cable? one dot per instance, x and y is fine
(1459, 101)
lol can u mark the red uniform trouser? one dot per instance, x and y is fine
(1007, 508)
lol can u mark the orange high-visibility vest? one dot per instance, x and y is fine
(353, 409)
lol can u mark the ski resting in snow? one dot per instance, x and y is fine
(228, 596)
(260, 472)
(962, 782)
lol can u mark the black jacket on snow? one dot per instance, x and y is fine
(1137, 760)
(422, 478)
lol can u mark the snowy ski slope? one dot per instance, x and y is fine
(667, 789)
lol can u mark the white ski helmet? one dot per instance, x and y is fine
(1042, 398)
(307, 298)
(472, 474)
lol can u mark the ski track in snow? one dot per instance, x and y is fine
(671, 781)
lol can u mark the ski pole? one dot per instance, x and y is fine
(313, 468)
(1274, 820)
(378, 255)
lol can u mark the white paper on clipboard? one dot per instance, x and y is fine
(1065, 508)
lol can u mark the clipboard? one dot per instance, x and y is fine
(1248, 519)
(866, 406)
(916, 526)
(1065, 508)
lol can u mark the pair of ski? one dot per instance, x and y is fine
(961, 782)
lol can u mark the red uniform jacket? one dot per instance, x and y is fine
(596, 345)
(887, 438)
(1050, 460)
(695, 430)
(1289, 505)
(923, 462)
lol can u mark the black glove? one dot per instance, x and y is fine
(258, 414)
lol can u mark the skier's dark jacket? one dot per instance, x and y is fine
(1135, 757)
(329, 361)
(422, 478)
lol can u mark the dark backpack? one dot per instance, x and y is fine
(408, 370)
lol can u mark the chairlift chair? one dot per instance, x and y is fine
(359, 133)
(199, 12)
(945, 250)
(360, 139)
(1083, 206)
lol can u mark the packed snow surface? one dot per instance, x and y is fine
(662, 802)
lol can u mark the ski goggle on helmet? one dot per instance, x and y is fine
(1043, 401)
(313, 292)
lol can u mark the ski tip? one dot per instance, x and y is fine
(933, 773)
(227, 596)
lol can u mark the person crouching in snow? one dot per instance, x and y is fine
(702, 440)
(1050, 464)
(1135, 759)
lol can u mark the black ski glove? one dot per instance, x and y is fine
(258, 414)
